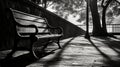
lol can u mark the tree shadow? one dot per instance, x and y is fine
(20, 61)
(113, 43)
(55, 60)
(103, 54)
(115, 46)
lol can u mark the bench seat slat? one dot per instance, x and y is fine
(48, 36)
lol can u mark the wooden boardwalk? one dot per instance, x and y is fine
(79, 52)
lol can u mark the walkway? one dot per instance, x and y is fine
(80, 52)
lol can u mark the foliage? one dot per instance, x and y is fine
(78, 7)
(113, 11)
(65, 8)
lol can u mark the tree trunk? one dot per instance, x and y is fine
(87, 20)
(6, 28)
(104, 28)
(104, 22)
(97, 29)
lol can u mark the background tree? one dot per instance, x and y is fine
(105, 5)
(97, 30)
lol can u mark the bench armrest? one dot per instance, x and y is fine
(55, 30)
(32, 26)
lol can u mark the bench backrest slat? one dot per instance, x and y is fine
(27, 22)
(26, 19)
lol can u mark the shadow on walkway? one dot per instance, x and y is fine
(112, 44)
(20, 61)
(27, 59)
(56, 59)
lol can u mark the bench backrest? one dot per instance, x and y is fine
(26, 19)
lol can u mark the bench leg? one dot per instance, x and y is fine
(33, 39)
(39, 52)
(58, 42)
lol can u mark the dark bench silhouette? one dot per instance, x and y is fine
(34, 28)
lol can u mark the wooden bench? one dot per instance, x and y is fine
(40, 33)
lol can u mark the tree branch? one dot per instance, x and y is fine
(108, 2)
(117, 1)
(102, 3)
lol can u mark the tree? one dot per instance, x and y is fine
(104, 6)
(98, 29)
(87, 20)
